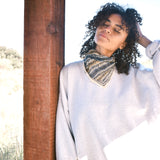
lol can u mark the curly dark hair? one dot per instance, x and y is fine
(130, 18)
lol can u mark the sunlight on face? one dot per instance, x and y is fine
(110, 35)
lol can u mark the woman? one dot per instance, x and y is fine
(108, 103)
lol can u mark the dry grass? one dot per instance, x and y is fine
(11, 114)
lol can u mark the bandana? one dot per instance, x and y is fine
(99, 67)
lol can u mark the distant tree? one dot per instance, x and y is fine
(10, 58)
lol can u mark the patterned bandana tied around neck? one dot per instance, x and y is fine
(99, 67)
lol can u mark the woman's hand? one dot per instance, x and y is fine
(143, 40)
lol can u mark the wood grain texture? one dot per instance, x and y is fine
(43, 59)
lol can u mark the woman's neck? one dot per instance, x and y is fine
(104, 52)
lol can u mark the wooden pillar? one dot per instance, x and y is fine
(43, 59)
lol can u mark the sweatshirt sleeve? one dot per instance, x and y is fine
(153, 52)
(65, 146)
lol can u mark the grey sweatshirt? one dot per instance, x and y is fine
(117, 122)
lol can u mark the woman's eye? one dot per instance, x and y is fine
(116, 30)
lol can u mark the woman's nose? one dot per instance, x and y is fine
(108, 29)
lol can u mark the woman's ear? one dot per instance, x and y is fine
(122, 45)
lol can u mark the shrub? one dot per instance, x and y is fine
(12, 56)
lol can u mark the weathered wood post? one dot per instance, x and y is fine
(43, 59)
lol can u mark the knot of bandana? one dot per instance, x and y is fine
(99, 67)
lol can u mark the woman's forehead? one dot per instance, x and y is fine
(116, 19)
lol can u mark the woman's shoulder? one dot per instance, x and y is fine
(144, 68)
(142, 72)
(140, 68)
(72, 67)
(73, 64)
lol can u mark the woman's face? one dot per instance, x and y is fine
(111, 35)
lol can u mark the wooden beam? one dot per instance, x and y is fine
(43, 59)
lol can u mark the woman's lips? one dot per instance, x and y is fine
(104, 36)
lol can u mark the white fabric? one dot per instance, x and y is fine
(117, 122)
